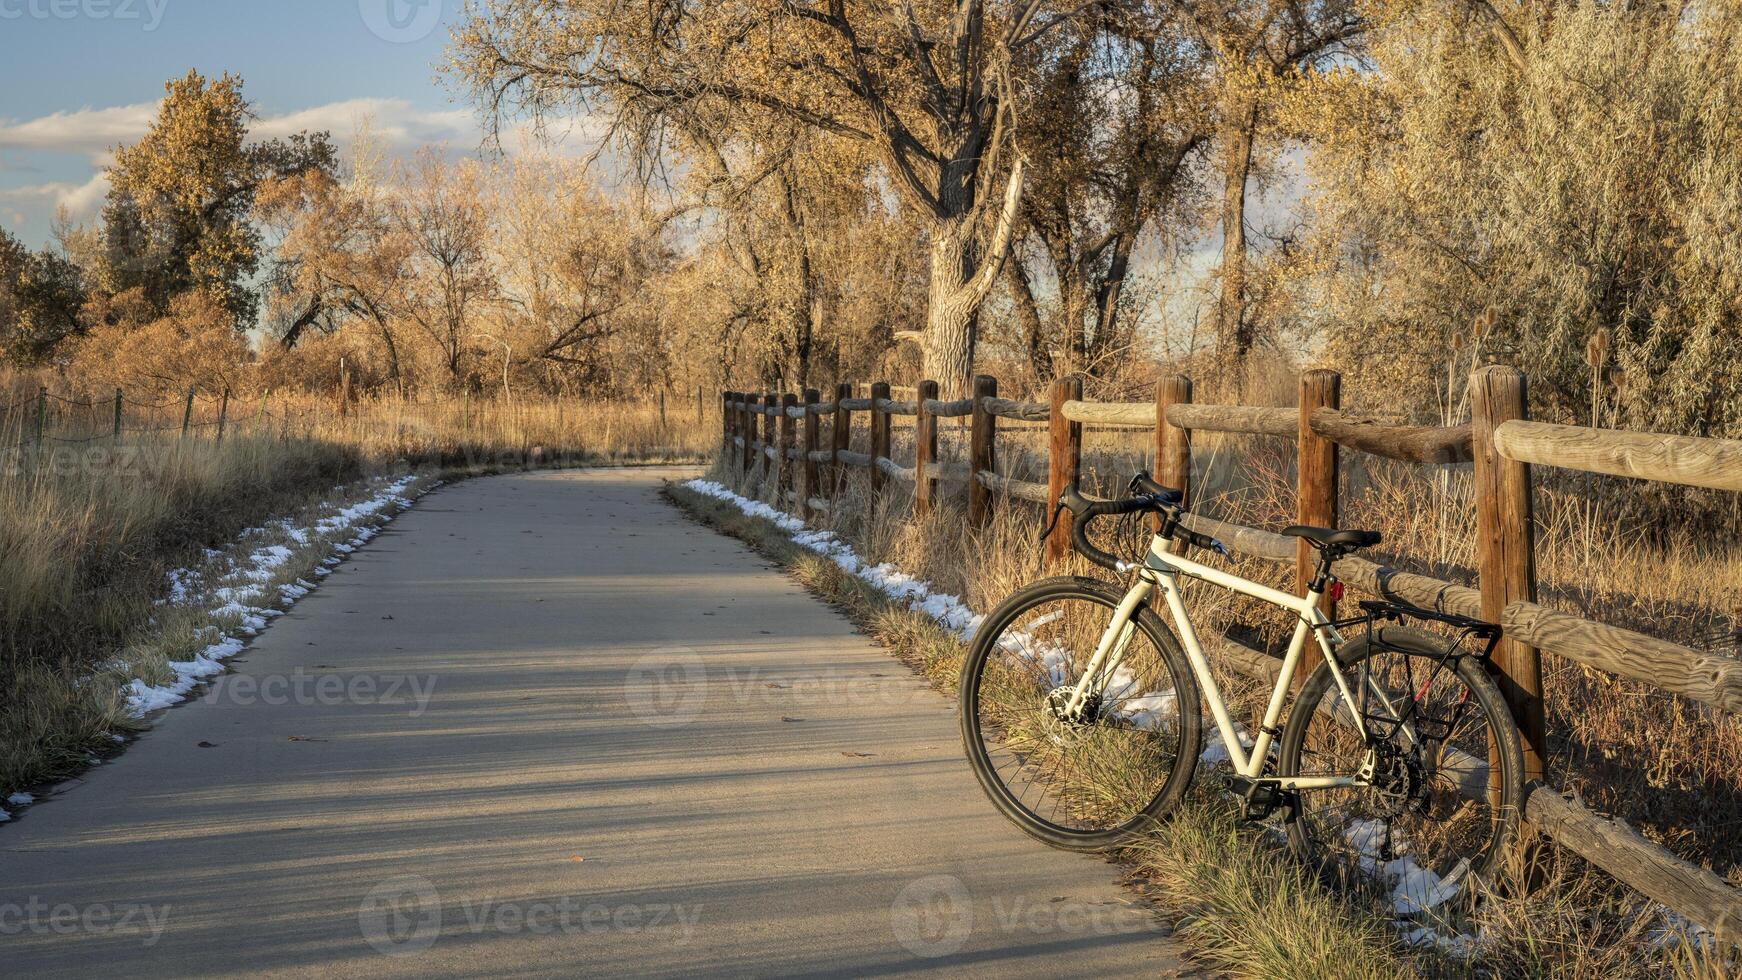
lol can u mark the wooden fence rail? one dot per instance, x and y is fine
(1501, 443)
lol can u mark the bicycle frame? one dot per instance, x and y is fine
(1161, 568)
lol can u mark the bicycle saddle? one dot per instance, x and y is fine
(1325, 537)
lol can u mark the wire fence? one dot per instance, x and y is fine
(48, 418)
(40, 422)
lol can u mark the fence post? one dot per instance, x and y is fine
(698, 404)
(187, 412)
(344, 389)
(925, 450)
(879, 434)
(725, 425)
(662, 410)
(41, 415)
(117, 413)
(260, 423)
(788, 442)
(840, 437)
(1316, 497)
(765, 439)
(751, 423)
(813, 427)
(223, 414)
(747, 428)
(1064, 458)
(1506, 547)
(1173, 445)
(982, 434)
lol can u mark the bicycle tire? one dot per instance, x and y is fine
(1188, 734)
(1506, 793)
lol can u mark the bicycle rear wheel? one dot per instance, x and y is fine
(1444, 807)
(1084, 780)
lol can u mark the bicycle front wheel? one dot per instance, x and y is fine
(1085, 776)
(1444, 761)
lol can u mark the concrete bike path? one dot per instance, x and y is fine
(546, 726)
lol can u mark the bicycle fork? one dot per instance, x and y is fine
(1110, 651)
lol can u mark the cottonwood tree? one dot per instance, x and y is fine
(177, 216)
(575, 268)
(1113, 133)
(194, 342)
(439, 209)
(338, 261)
(41, 294)
(1570, 206)
(923, 84)
(1259, 50)
(790, 211)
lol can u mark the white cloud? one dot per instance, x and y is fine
(395, 123)
(82, 201)
(92, 132)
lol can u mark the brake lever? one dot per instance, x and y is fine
(1056, 511)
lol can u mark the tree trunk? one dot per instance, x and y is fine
(1232, 333)
(806, 309)
(1107, 295)
(960, 281)
(952, 309)
(1034, 337)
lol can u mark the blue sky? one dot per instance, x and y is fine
(79, 76)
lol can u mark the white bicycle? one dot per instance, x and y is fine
(1399, 760)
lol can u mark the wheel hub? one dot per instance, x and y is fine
(1063, 725)
(1399, 782)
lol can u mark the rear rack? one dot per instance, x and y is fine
(1376, 610)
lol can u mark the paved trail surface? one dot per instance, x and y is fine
(546, 726)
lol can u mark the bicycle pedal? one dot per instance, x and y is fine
(1258, 798)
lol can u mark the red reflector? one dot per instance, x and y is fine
(1336, 592)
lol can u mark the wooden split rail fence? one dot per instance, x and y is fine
(781, 437)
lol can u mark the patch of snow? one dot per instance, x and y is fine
(946, 610)
(1215, 750)
(20, 799)
(1677, 930)
(246, 587)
